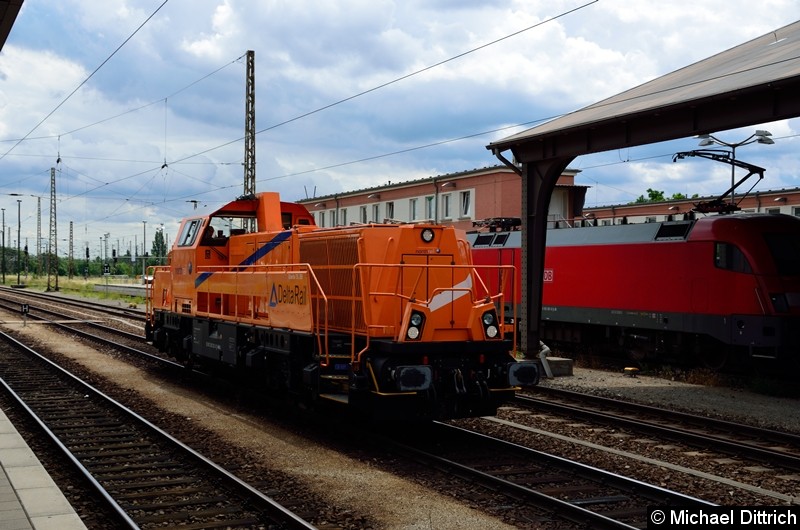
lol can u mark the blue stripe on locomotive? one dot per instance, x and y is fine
(253, 258)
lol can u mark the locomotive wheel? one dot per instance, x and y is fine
(714, 356)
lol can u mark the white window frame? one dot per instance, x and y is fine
(429, 206)
(464, 204)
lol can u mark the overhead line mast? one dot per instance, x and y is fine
(250, 126)
(52, 255)
(250, 130)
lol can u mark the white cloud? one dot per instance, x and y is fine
(223, 27)
(313, 54)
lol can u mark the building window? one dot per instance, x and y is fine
(343, 217)
(796, 211)
(390, 210)
(773, 210)
(362, 215)
(446, 206)
(465, 204)
(333, 218)
(650, 219)
(412, 209)
(429, 207)
(376, 211)
(322, 219)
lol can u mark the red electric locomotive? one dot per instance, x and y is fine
(716, 289)
(390, 319)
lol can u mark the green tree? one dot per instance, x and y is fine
(652, 196)
(159, 250)
(682, 197)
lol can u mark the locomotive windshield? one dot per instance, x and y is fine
(785, 251)
(189, 233)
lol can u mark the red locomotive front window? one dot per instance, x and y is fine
(785, 250)
(728, 256)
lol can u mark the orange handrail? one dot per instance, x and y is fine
(475, 291)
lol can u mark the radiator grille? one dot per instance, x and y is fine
(332, 260)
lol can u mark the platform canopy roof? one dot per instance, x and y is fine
(8, 14)
(755, 82)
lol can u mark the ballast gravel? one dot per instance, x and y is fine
(390, 501)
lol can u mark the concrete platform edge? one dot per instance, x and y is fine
(29, 498)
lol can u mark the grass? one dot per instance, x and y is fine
(77, 287)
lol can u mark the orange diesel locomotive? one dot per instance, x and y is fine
(392, 320)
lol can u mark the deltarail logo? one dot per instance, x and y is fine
(760, 517)
(288, 294)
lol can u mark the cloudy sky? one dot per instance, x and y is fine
(142, 101)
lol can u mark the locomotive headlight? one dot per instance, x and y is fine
(779, 302)
(489, 321)
(415, 321)
(427, 235)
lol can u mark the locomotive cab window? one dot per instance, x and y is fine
(190, 231)
(785, 250)
(728, 256)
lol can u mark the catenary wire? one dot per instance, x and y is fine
(84, 81)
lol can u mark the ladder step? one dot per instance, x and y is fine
(339, 398)
(335, 377)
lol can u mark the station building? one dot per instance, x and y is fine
(489, 199)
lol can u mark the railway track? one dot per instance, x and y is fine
(148, 478)
(770, 447)
(45, 299)
(612, 509)
(126, 342)
(540, 489)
